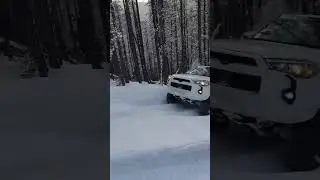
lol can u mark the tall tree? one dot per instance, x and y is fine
(105, 10)
(199, 31)
(183, 64)
(165, 65)
(205, 32)
(139, 39)
(119, 61)
(122, 44)
(155, 19)
(132, 41)
(175, 7)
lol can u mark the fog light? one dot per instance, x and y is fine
(289, 95)
(200, 91)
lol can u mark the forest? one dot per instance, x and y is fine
(76, 31)
(176, 34)
(173, 38)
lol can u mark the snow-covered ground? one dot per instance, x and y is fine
(59, 123)
(153, 140)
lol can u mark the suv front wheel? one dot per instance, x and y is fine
(171, 99)
(204, 108)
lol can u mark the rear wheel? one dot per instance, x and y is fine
(171, 99)
(304, 146)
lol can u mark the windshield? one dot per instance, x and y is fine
(200, 71)
(297, 31)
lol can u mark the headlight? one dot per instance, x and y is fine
(300, 69)
(202, 82)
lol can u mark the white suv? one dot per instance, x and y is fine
(270, 82)
(193, 87)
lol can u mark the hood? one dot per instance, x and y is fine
(191, 77)
(267, 49)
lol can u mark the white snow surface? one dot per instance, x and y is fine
(154, 140)
(151, 140)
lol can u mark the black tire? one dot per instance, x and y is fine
(304, 146)
(218, 121)
(204, 108)
(171, 99)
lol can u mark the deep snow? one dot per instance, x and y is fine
(153, 140)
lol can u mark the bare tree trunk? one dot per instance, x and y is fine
(154, 56)
(184, 60)
(37, 53)
(140, 41)
(105, 11)
(171, 48)
(72, 30)
(176, 34)
(205, 35)
(186, 31)
(155, 18)
(163, 42)
(185, 34)
(199, 32)
(120, 59)
(122, 45)
(149, 55)
(132, 41)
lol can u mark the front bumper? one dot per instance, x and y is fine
(192, 95)
(184, 100)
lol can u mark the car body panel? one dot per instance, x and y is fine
(192, 94)
(267, 104)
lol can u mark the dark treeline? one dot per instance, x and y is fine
(72, 30)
